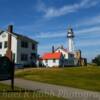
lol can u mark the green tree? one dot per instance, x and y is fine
(96, 60)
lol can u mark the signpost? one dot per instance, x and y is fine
(7, 70)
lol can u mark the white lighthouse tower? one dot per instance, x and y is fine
(70, 36)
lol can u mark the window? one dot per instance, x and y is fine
(46, 61)
(54, 60)
(5, 44)
(33, 55)
(0, 45)
(24, 44)
(33, 46)
(24, 57)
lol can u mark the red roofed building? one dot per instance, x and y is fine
(55, 55)
(53, 59)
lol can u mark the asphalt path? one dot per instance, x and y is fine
(56, 90)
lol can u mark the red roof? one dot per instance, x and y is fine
(55, 55)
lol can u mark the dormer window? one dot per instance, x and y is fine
(3, 35)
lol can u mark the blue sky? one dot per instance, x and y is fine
(47, 21)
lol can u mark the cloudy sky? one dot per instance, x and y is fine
(47, 21)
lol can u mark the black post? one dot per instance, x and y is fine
(12, 75)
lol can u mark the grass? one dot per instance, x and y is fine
(78, 77)
(20, 94)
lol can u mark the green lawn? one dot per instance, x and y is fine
(21, 94)
(79, 77)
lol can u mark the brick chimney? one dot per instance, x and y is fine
(9, 52)
(53, 50)
(10, 29)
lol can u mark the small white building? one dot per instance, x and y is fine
(54, 59)
(24, 49)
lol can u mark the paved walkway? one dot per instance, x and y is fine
(60, 91)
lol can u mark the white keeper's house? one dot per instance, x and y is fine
(24, 49)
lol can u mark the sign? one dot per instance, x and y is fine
(6, 69)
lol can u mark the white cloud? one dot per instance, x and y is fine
(87, 31)
(88, 3)
(53, 12)
(88, 43)
(50, 35)
(66, 9)
(91, 30)
(90, 21)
